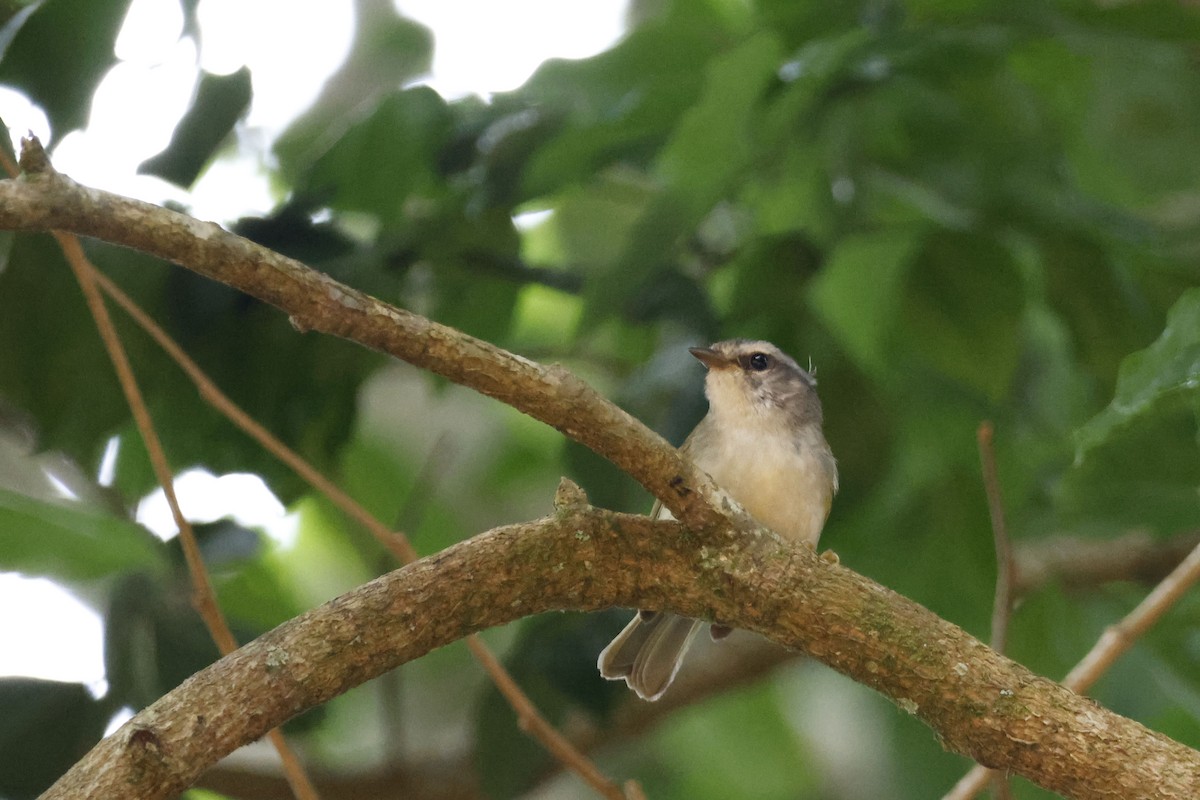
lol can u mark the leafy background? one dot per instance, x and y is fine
(956, 211)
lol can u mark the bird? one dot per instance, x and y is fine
(762, 442)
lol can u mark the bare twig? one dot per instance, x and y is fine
(449, 775)
(534, 724)
(585, 559)
(46, 200)
(397, 543)
(1117, 639)
(1002, 605)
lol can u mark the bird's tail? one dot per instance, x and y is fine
(647, 654)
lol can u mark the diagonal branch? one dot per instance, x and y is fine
(46, 200)
(1112, 644)
(980, 704)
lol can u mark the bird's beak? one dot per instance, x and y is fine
(709, 358)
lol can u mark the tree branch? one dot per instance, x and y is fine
(47, 200)
(981, 704)
(1081, 563)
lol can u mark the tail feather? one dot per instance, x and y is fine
(648, 652)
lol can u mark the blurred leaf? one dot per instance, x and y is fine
(220, 101)
(594, 224)
(711, 144)
(383, 160)
(747, 747)
(71, 542)
(957, 210)
(154, 639)
(963, 301)
(293, 384)
(1138, 461)
(618, 105)
(58, 61)
(1155, 379)
(1140, 126)
(1143, 475)
(859, 292)
(43, 320)
(45, 728)
(291, 231)
(388, 51)
(715, 137)
(13, 14)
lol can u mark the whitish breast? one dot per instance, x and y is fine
(785, 483)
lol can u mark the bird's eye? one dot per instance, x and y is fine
(759, 362)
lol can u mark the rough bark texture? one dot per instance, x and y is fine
(978, 702)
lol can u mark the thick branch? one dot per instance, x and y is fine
(49, 200)
(982, 704)
(1077, 564)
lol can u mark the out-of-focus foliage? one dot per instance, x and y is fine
(957, 212)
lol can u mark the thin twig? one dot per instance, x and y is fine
(385, 633)
(533, 723)
(1112, 644)
(203, 596)
(397, 543)
(1117, 639)
(1002, 604)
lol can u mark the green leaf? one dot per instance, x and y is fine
(740, 737)
(716, 137)
(617, 106)
(57, 59)
(1164, 375)
(859, 291)
(71, 542)
(388, 51)
(220, 102)
(1137, 462)
(381, 162)
(963, 302)
(1140, 129)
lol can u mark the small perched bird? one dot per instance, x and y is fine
(761, 441)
